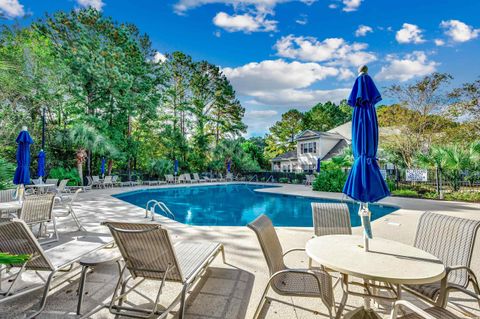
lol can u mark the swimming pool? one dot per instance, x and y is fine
(237, 205)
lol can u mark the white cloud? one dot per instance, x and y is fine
(332, 6)
(403, 69)
(276, 75)
(351, 5)
(459, 31)
(262, 113)
(299, 98)
(244, 22)
(439, 42)
(184, 5)
(409, 33)
(11, 9)
(303, 20)
(281, 83)
(97, 4)
(362, 30)
(159, 57)
(335, 51)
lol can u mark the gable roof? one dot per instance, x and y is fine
(308, 134)
(336, 150)
(344, 130)
(286, 156)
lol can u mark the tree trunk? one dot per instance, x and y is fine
(80, 171)
(109, 169)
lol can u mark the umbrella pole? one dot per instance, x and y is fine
(364, 214)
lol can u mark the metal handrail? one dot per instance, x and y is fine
(269, 178)
(255, 177)
(160, 205)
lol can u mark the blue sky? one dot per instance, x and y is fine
(282, 54)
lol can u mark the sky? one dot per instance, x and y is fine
(283, 54)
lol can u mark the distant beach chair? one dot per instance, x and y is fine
(170, 179)
(96, 181)
(309, 180)
(187, 178)
(149, 254)
(197, 178)
(220, 177)
(229, 177)
(16, 238)
(116, 180)
(107, 181)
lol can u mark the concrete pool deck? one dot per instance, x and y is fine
(232, 290)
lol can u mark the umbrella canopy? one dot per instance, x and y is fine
(318, 164)
(22, 173)
(365, 182)
(102, 166)
(175, 167)
(41, 164)
(229, 163)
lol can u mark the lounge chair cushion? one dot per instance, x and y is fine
(437, 312)
(429, 290)
(191, 256)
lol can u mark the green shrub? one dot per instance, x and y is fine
(283, 180)
(463, 196)
(6, 173)
(405, 193)
(391, 184)
(330, 180)
(61, 173)
(159, 167)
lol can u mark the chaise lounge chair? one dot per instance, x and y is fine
(17, 238)
(150, 255)
(198, 179)
(170, 179)
(68, 206)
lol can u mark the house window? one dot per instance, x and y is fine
(310, 147)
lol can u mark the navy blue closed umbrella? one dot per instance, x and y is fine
(175, 167)
(41, 164)
(22, 173)
(365, 182)
(102, 166)
(229, 163)
(319, 162)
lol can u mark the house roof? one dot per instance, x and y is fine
(344, 130)
(336, 150)
(286, 156)
(307, 134)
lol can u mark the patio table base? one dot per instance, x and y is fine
(362, 313)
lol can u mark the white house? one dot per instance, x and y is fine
(312, 145)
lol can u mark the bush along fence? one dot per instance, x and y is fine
(435, 184)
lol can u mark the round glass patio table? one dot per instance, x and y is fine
(386, 261)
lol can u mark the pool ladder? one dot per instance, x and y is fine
(255, 177)
(150, 207)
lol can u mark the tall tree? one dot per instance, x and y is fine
(325, 116)
(281, 135)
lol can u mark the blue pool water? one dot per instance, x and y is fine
(237, 205)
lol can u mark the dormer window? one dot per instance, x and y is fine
(310, 147)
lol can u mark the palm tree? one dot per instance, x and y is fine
(88, 140)
(436, 159)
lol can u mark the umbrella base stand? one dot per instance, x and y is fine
(362, 313)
